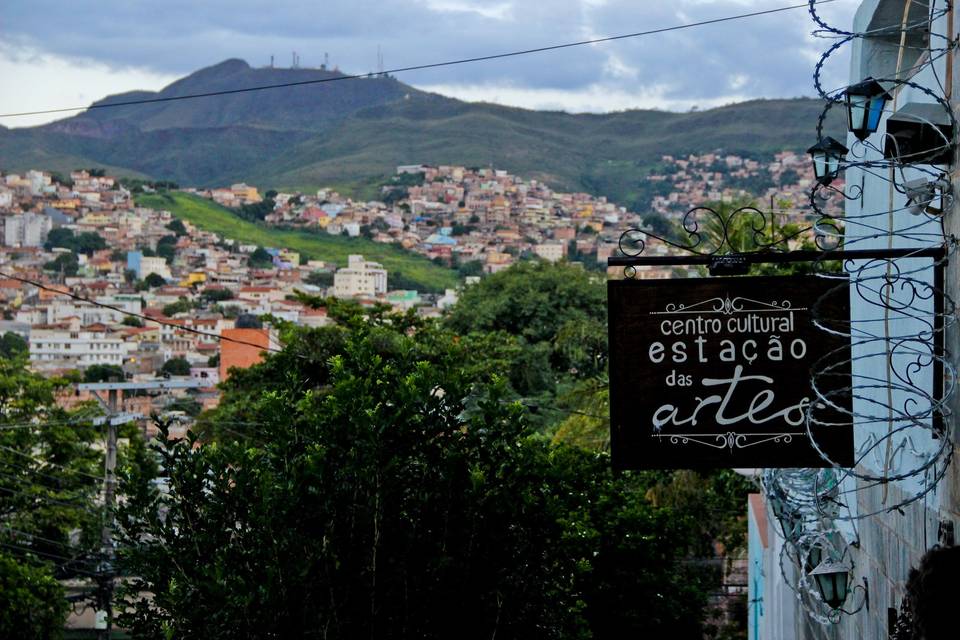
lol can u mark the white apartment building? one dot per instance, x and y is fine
(26, 229)
(550, 251)
(70, 345)
(157, 265)
(360, 278)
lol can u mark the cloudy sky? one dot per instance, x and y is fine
(60, 54)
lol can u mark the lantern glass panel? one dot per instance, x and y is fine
(857, 112)
(833, 164)
(820, 164)
(876, 111)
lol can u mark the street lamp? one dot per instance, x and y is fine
(832, 580)
(827, 156)
(865, 102)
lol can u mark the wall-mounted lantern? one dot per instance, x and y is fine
(865, 102)
(827, 156)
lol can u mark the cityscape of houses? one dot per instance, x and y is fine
(83, 238)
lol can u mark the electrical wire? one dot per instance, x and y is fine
(139, 316)
(421, 67)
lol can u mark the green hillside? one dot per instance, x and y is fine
(314, 246)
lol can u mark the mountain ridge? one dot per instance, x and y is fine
(341, 132)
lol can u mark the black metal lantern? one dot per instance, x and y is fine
(827, 155)
(832, 580)
(865, 102)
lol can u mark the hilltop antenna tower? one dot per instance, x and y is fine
(379, 62)
(271, 61)
(326, 61)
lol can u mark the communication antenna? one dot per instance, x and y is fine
(326, 60)
(271, 61)
(379, 61)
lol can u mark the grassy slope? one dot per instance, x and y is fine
(212, 217)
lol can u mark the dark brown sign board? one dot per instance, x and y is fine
(715, 372)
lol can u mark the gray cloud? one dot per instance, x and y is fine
(767, 56)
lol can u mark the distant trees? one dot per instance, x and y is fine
(182, 305)
(154, 280)
(216, 295)
(260, 259)
(12, 345)
(177, 226)
(176, 367)
(103, 373)
(86, 243)
(167, 248)
(67, 264)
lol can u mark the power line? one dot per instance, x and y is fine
(140, 316)
(420, 67)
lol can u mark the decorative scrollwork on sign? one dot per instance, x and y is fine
(727, 306)
(729, 440)
(709, 232)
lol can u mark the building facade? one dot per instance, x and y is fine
(360, 278)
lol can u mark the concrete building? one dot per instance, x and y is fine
(68, 345)
(26, 229)
(145, 265)
(360, 278)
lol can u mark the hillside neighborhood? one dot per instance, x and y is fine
(83, 237)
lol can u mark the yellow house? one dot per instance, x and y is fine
(289, 256)
(95, 220)
(196, 277)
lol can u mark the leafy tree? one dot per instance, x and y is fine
(180, 306)
(32, 601)
(383, 485)
(260, 259)
(470, 268)
(176, 225)
(176, 367)
(65, 263)
(531, 299)
(216, 295)
(154, 280)
(132, 321)
(320, 278)
(167, 248)
(214, 360)
(50, 474)
(87, 242)
(103, 373)
(12, 345)
(59, 237)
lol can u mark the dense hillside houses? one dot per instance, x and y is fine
(102, 267)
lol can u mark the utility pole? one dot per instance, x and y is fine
(106, 531)
(106, 568)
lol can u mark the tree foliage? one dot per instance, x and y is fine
(383, 485)
(86, 242)
(176, 367)
(49, 477)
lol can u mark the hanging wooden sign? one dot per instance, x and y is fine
(715, 372)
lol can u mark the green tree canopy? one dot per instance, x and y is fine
(176, 367)
(103, 373)
(260, 259)
(374, 479)
(50, 475)
(12, 345)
